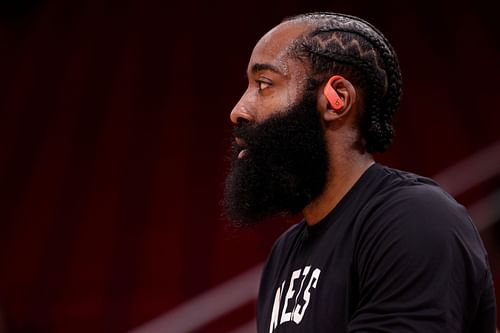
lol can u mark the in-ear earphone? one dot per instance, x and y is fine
(331, 95)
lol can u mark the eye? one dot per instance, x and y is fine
(263, 84)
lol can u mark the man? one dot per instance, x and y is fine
(379, 249)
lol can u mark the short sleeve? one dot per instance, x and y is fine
(421, 266)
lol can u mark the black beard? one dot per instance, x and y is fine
(284, 168)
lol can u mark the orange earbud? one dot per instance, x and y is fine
(331, 95)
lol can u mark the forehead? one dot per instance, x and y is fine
(273, 48)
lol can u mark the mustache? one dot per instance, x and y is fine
(243, 131)
(247, 131)
(252, 133)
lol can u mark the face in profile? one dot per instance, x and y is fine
(279, 160)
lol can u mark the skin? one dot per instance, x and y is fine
(275, 82)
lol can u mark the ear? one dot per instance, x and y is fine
(336, 98)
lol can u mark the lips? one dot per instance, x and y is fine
(241, 146)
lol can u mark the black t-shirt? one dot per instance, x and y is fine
(397, 254)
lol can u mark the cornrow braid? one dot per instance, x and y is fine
(349, 46)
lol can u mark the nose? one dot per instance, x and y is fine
(240, 113)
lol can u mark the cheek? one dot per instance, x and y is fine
(273, 104)
(271, 107)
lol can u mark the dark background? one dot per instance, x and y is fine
(114, 128)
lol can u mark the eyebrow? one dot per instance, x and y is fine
(263, 67)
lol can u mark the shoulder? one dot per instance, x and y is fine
(411, 198)
(415, 247)
(413, 215)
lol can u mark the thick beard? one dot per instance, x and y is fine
(284, 168)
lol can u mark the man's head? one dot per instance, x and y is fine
(281, 158)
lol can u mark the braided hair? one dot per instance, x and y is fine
(349, 46)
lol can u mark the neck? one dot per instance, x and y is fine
(345, 171)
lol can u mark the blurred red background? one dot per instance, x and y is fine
(114, 128)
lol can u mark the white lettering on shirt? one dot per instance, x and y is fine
(297, 314)
(299, 277)
(286, 316)
(276, 308)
